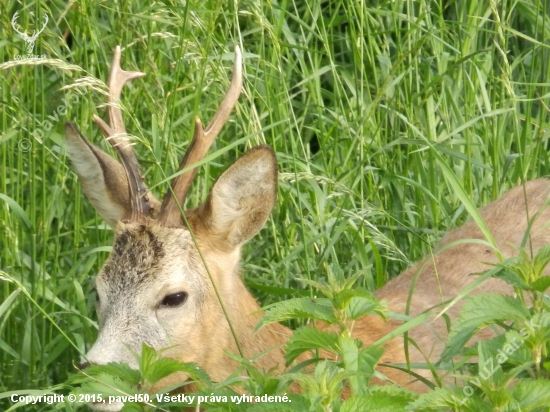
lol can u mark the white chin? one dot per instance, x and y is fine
(106, 407)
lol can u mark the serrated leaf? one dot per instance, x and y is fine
(323, 288)
(362, 305)
(119, 370)
(350, 355)
(358, 302)
(541, 284)
(361, 361)
(307, 338)
(489, 370)
(146, 358)
(167, 366)
(510, 345)
(437, 398)
(300, 308)
(342, 298)
(532, 394)
(106, 385)
(395, 400)
(510, 276)
(479, 311)
(541, 260)
(368, 358)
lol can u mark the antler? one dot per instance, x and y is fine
(46, 19)
(202, 140)
(14, 24)
(37, 32)
(25, 36)
(116, 135)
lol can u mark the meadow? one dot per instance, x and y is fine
(391, 120)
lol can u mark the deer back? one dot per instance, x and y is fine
(521, 217)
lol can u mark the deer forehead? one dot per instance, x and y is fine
(146, 256)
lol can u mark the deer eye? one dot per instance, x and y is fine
(175, 299)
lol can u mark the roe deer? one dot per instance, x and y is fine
(154, 287)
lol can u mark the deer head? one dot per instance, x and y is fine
(159, 284)
(30, 40)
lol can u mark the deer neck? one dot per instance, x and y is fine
(266, 347)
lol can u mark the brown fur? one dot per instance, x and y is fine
(150, 261)
(450, 271)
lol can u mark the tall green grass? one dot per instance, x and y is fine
(352, 95)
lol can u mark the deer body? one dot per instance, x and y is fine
(444, 276)
(155, 287)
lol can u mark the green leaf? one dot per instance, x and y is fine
(541, 284)
(307, 338)
(437, 399)
(532, 394)
(132, 407)
(511, 276)
(510, 345)
(459, 190)
(106, 385)
(8, 301)
(479, 311)
(380, 399)
(17, 210)
(541, 260)
(342, 298)
(166, 366)
(361, 361)
(362, 305)
(350, 355)
(368, 358)
(118, 370)
(146, 358)
(275, 290)
(300, 308)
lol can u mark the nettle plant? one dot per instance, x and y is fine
(512, 369)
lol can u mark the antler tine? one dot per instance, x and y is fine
(115, 133)
(14, 24)
(202, 140)
(46, 19)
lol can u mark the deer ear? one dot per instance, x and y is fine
(103, 179)
(242, 198)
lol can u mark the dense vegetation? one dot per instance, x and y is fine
(365, 104)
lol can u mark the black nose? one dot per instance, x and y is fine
(83, 365)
